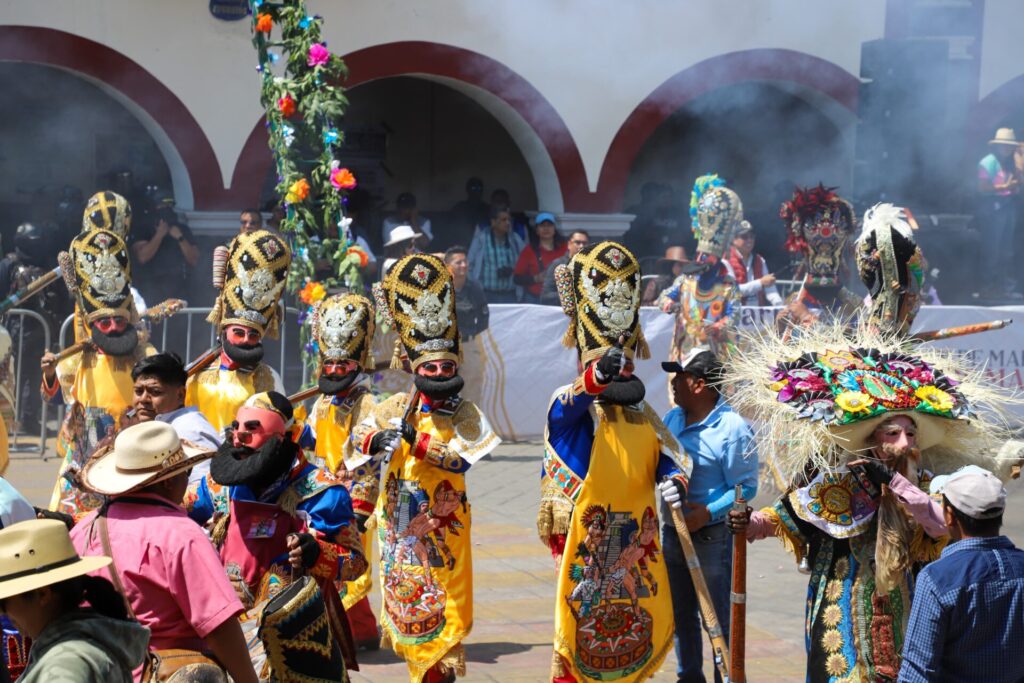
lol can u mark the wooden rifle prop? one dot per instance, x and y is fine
(30, 290)
(738, 597)
(959, 331)
(204, 359)
(719, 646)
(301, 396)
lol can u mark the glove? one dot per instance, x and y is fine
(361, 521)
(736, 521)
(610, 364)
(672, 492)
(310, 549)
(876, 473)
(68, 520)
(408, 433)
(385, 440)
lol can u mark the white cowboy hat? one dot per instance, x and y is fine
(856, 436)
(37, 553)
(402, 233)
(141, 455)
(1004, 136)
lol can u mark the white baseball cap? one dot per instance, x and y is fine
(974, 491)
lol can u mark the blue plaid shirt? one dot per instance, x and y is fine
(967, 619)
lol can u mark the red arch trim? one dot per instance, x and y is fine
(697, 80)
(419, 57)
(74, 53)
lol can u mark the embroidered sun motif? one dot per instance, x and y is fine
(834, 590)
(831, 499)
(832, 640)
(832, 616)
(835, 665)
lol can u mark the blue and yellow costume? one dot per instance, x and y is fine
(603, 460)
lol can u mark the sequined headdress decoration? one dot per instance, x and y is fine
(600, 292)
(417, 297)
(819, 223)
(715, 214)
(891, 266)
(108, 210)
(343, 326)
(254, 277)
(103, 277)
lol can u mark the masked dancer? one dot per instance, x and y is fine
(606, 453)
(431, 438)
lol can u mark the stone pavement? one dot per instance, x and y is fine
(515, 580)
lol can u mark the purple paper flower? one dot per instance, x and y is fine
(318, 55)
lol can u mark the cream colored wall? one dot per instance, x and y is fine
(594, 60)
(1002, 49)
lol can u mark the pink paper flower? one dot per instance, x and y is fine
(318, 55)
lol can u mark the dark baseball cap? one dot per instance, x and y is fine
(699, 362)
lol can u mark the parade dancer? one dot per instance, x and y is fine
(271, 513)
(605, 453)
(819, 225)
(431, 438)
(342, 327)
(705, 299)
(891, 266)
(96, 382)
(245, 311)
(857, 425)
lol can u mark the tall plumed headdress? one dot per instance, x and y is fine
(891, 266)
(819, 223)
(343, 326)
(818, 398)
(254, 277)
(715, 215)
(417, 297)
(600, 292)
(108, 210)
(97, 270)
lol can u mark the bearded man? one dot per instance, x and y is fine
(428, 441)
(274, 513)
(245, 311)
(96, 383)
(851, 426)
(343, 326)
(606, 451)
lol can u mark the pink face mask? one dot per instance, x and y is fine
(255, 426)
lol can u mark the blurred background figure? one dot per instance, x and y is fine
(493, 255)
(757, 283)
(546, 245)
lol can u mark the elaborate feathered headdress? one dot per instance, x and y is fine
(715, 214)
(891, 266)
(819, 223)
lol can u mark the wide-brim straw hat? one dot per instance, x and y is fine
(856, 436)
(1004, 136)
(403, 233)
(37, 553)
(141, 455)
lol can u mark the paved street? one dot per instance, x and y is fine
(515, 580)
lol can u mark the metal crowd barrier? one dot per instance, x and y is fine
(23, 315)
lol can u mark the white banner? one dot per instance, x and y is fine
(521, 360)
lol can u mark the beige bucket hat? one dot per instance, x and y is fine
(37, 553)
(141, 455)
(1004, 136)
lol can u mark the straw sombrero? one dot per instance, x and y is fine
(141, 455)
(1004, 136)
(37, 553)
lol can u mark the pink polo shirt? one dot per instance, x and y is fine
(171, 572)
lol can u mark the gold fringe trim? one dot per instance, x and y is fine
(220, 531)
(569, 338)
(557, 666)
(924, 548)
(790, 543)
(553, 517)
(643, 351)
(396, 356)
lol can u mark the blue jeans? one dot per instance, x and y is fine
(714, 550)
(997, 218)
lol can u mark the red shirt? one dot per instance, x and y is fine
(528, 264)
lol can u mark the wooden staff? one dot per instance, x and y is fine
(300, 396)
(738, 597)
(203, 360)
(410, 408)
(707, 607)
(30, 290)
(959, 330)
(73, 349)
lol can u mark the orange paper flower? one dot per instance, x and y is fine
(287, 105)
(264, 23)
(312, 293)
(342, 179)
(364, 258)
(298, 191)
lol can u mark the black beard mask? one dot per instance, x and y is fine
(332, 385)
(255, 469)
(247, 356)
(120, 344)
(624, 391)
(439, 389)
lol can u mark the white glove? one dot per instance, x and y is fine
(670, 494)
